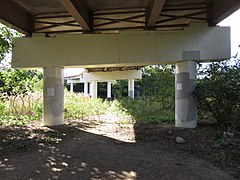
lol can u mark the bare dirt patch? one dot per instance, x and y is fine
(101, 150)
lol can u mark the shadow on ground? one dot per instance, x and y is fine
(68, 152)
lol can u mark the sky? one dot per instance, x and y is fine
(234, 22)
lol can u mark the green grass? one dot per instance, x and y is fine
(78, 106)
(21, 109)
(149, 109)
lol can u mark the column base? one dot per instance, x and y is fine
(186, 124)
(131, 94)
(52, 121)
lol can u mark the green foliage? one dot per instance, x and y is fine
(117, 113)
(79, 106)
(218, 92)
(5, 41)
(158, 82)
(6, 35)
(20, 109)
(14, 81)
(102, 89)
(148, 109)
(154, 95)
(19, 104)
(120, 89)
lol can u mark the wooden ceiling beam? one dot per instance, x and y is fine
(119, 20)
(177, 17)
(15, 17)
(153, 12)
(123, 19)
(221, 9)
(118, 12)
(78, 11)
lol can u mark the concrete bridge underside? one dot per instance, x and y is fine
(105, 34)
(195, 44)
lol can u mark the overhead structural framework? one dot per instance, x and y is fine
(20, 20)
(153, 12)
(107, 16)
(78, 12)
(221, 9)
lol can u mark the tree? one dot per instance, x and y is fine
(14, 81)
(6, 35)
(157, 82)
(218, 92)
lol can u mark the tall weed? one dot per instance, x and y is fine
(148, 109)
(77, 105)
(20, 109)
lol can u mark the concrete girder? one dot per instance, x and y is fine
(79, 12)
(199, 42)
(111, 76)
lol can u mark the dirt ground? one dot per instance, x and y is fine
(101, 150)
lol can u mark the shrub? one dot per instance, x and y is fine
(14, 81)
(79, 106)
(149, 109)
(218, 93)
(157, 82)
(154, 95)
(6, 35)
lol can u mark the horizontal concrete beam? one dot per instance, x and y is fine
(107, 76)
(128, 48)
(73, 81)
(110, 76)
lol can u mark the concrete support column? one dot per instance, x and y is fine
(71, 87)
(131, 88)
(109, 89)
(86, 88)
(94, 89)
(90, 89)
(53, 96)
(185, 102)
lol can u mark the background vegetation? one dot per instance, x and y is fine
(5, 41)
(154, 95)
(20, 90)
(218, 93)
